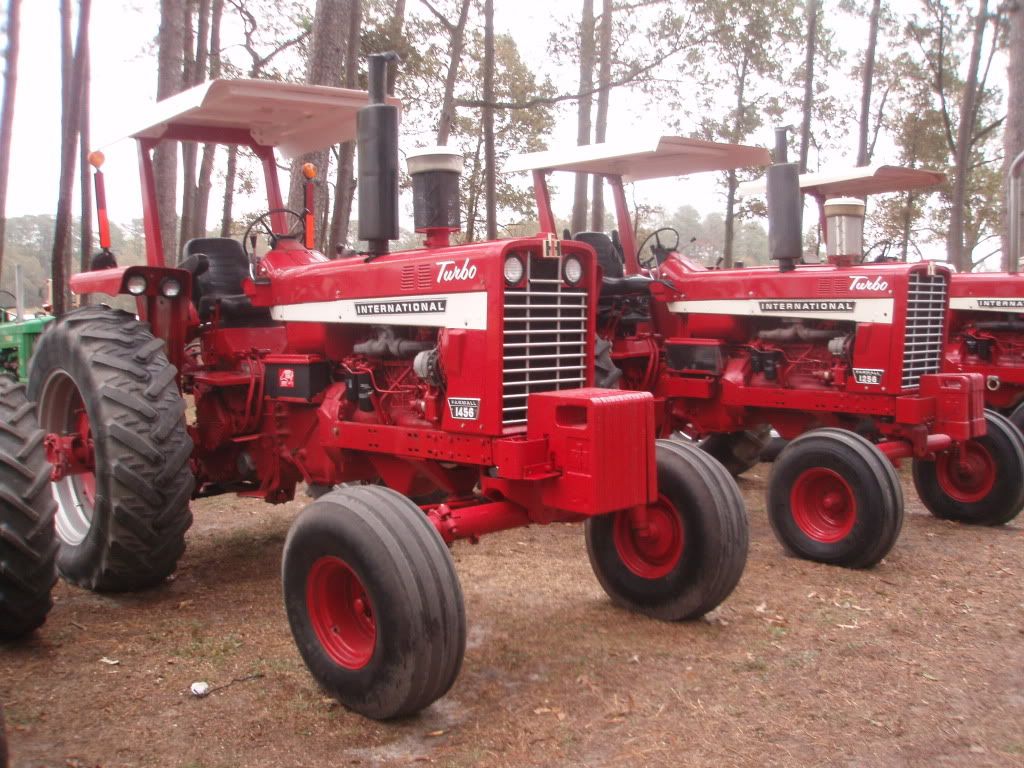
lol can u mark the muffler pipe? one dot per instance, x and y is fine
(377, 135)
(785, 206)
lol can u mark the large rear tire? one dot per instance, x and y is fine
(738, 451)
(833, 497)
(692, 552)
(28, 544)
(981, 482)
(373, 601)
(100, 373)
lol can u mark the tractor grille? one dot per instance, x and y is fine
(925, 331)
(545, 339)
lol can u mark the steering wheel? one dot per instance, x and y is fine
(659, 251)
(262, 223)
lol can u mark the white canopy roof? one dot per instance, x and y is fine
(645, 158)
(856, 182)
(292, 117)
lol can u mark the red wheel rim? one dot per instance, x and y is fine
(340, 612)
(967, 475)
(653, 551)
(823, 505)
(86, 480)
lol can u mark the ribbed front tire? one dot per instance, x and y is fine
(691, 552)
(373, 601)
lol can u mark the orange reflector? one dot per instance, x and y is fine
(309, 170)
(96, 158)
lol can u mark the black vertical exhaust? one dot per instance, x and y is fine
(785, 206)
(377, 135)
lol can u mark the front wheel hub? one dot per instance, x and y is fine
(651, 549)
(341, 613)
(968, 474)
(823, 505)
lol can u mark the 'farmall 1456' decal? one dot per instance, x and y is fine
(451, 271)
(864, 283)
(464, 408)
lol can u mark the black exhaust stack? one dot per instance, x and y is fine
(785, 206)
(377, 134)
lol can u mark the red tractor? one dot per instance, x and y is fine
(449, 388)
(985, 325)
(843, 357)
(986, 336)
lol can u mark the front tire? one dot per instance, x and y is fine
(373, 601)
(692, 553)
(980, 482)
(99, 373)
(28, 544)
(833, 497)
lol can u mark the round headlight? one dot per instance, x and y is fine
(514, 270)
(170, 287)
(572, 270)
(136, 285)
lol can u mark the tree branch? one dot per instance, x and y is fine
(440, 16)
(633, 74)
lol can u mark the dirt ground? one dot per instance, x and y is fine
(919, 662)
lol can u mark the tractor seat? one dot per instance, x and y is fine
(607, 255)
(620, 286)
(219, 266)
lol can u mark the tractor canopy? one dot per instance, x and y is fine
(292, 118)
(264, 115)
(621, 162)
(857, 182)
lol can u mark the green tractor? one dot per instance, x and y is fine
(18, 335)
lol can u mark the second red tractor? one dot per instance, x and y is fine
(842, 358)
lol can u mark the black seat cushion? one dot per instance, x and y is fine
(607, 254)
(219, 266)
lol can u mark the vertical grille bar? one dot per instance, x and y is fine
(545, 337)
(926, 326)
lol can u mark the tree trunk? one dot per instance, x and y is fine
(490, 177)
(812, 43)
(61, 257)
(604, 76)
(907, 221)
(229, 191)
(344, 185)
(7, 112)
(868, 73)
(84, 140)
(579, 201)
(1013, 138)
(194, 73)
(395, 43)
(733, 182)
(457, 32)
(202, 206)
(324, 67)
(170, 42)
(965, 135)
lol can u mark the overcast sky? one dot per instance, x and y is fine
(124, 79)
